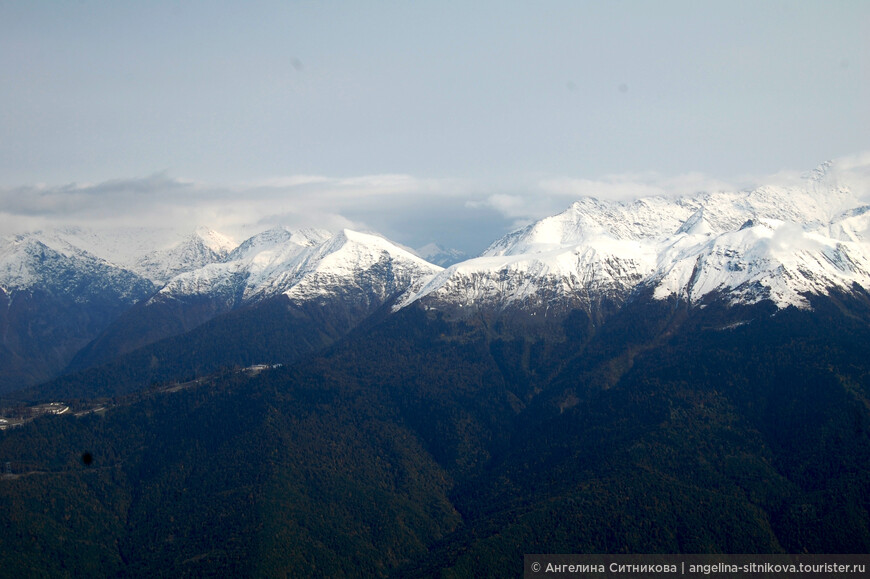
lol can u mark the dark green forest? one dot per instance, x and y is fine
(423, 445)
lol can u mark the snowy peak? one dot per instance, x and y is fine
(594, 251)
(359, 262)
(19, 262)
(768, 260)
(821, 172)
(824, 181)
(155, 254)
(574, 277)
(773, 242)
(217, 242)
(792, 242)
(696, 225)
(277, 236)
(121, 247)
(26, 263)
(304, 264)
(200, 248)
(590, 219)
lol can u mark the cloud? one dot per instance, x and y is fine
(411, 210)
(162, 199)
(365, 186)
(791, 237)
(632, 186)
(507, 205)
(389, 203)
(851, 171)
(87, 199)
(854, 171)
(292, 181)
(554, 194)
(141, 201)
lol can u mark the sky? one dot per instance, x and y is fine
(448, 122)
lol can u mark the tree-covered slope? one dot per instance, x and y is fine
(420, 445)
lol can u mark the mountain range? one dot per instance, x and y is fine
(108, 293)
(669, 374)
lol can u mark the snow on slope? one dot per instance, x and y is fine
(304, 265)
(772, 243)
(119, 247)
(590, 220)
(369, 263)
(576, 276)
(767, 259)
(853, 225)
(27, 263)
(594, 250)
(154, 254)
(202, 247)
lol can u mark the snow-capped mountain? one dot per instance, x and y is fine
(27, 263)
(154, 254)
(304, 265)
(768, 243)
(202, 247)
(344, 277)
(775, 243)
(52, 303)
(135, 287)
(765, 259)
(594, 251)
(64, 287)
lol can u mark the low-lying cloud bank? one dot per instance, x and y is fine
(409, 209)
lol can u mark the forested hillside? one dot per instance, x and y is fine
(420, 443)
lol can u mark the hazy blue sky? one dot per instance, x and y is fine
(448, 121)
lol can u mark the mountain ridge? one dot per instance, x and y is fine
(779, 244)
(315, 403)
(606, 249)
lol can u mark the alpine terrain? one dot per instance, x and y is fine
(665, 375)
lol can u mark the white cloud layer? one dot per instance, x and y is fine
(369, 203)
(408, 209)
(551, 195)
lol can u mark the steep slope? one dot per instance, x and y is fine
(52, 304)
(64, 287)
(763, 260)
(544, 283)
(776, 243)
(722, 429)
(200, 248)
(321, 286)
(305, 264)
(412, 448)
(191, 298)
